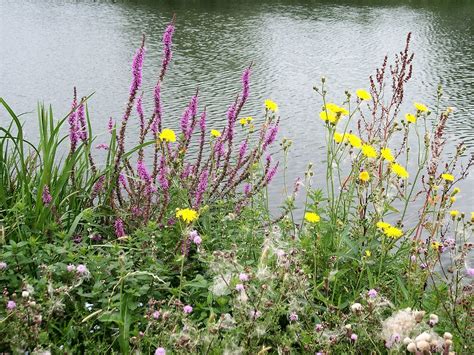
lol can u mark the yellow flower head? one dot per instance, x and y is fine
(472, 217)
(363, 95)
(452, 199)
(420, 107)
(393, 232)
(369, 151)
(386, 153)
(338, 110)
(328, 116)
(167, 135)
(411, 118)
(399, 170)
(456, 190)
(354, 140)
(246, 120)
(187, 215)
(312, 217)
(368, 253)
(215, 133)
(436, 246)
(383, 225)
(338, 137)
(454, 213)
(271, 105)
(364, 176)
(447, 177)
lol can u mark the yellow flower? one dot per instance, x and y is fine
(187, 215)
(338, 137)
(363, 95)
(472, 217)
(338, 110)
(436, 245)
(215, 133)
(364, 176)
(411, 118)
(368, 253)
(383, 225)
(369, 151)
(243, 121)
(456, 190)
(447, 177)
(452, 199)
(399, 170)
(420, 107)
(271, 105)
(387, 154)
(454, 213)
(393, 232)
(328, 116)
(167, 135)
(312, 217)
(354, 140)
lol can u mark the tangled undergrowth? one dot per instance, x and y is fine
(163, 249)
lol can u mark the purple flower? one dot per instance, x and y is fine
(470, 272)
(143, 172)
(81, 269)
(122, 179)
(3, 265)
(119, 229)
(47, 198)
(202, 121)
(162, 174)
(319, 327)
(254, 314)
(270, 138)
(231, 118)
(240, 287)
(271, 174)
(137, 67)
(81, 123)
(293, 317)
(247, 189)
(167, 54)
(189, 113)
(98, 186)
(155, 125)
(187, 309)
(72, 120)
(243, 277)
(194, 236)
(245, 85)
(141, 115)
(111, 125)
(372, 293)
(160, 351)
(103, 146)
(156, 314)
(354, 337)
(243, 150)
(11, 305)
(70, 268)
(202, 186)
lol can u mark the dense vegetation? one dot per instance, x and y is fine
(165, 249)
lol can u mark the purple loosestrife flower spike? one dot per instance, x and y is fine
(99, 185)
(122, 179)
(141, 115)
(231, 118)
(202, 186)
(156, 124)
(81, 123)
(270, 138)
(137, 68)
(245, 85)
(111, 125)
(243, 150)
(119, 228)
(271, 174)
(162, 174)
(167, 53)
(72, 120)
(202, 121)
(46, 197)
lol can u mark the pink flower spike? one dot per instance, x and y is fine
(187, 309)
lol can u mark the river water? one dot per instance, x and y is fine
(47, 47)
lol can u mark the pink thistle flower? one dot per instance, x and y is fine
(70, 268)
(156, 314)
(82, 269)
(293, 317)
(254, 314)
(319, 327)
(470, 272)
(187, 309)
(372, 293)
(240, 287)
(243, 277)
(354, 337)
(160, 351)
(11, 305)
(3, 265)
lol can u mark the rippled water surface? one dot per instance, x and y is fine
(47, 47)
